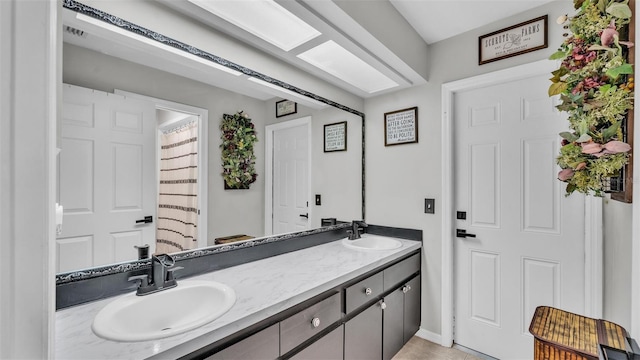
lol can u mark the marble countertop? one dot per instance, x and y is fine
(263, 288)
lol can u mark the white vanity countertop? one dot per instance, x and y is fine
(263, 288)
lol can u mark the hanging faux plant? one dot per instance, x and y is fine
(595, 85)
(238, 160)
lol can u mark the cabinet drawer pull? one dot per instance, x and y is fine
(315, 322)
(383, 305)
(367, 291)
(405, 289)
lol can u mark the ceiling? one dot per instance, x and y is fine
(437, 20)
(366, 30)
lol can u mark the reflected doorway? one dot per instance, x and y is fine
(288, 169)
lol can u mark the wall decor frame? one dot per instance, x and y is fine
(515, 40)
(401, 126)
(335, 137)
(286, 107)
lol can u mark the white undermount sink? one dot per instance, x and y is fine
(166, 313)
(372, 242)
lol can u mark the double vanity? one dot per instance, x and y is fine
(340, 299)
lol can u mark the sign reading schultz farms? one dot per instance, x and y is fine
(515, 40)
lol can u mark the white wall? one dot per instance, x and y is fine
(617, 262)
(398, 199)
(29, 78)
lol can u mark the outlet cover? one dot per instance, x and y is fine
(429, 206)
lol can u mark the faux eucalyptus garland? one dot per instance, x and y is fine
(238, 160)
(595, 85)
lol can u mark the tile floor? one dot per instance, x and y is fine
(419, 349)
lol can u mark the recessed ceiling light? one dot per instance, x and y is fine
(263, 18)
(341, 63)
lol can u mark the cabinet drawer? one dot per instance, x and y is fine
(399, 272)
(360, 293)
(303, 325)
(260, 346)
(329, 347)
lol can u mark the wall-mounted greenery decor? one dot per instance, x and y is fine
(595, 85)
(238, 160)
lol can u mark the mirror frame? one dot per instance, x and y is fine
(84, 274)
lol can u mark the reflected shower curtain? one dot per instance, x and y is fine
(178, 190)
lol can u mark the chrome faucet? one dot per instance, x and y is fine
(160, 276)
(356, 227)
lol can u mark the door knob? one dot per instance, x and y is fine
(305, 215)
(146, 220)
(461, 233)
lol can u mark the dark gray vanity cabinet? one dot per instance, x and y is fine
(259, 346)
(328, 347)
(401, 317)
(370, 317)
(393, 324)
(309, 322)
(363, 334)
(412, 315)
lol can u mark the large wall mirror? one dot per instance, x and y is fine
(115, 79)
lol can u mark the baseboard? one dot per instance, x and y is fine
(429, 336)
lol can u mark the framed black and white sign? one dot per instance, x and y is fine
(401, 127)
(286, 107)
(515, 40)
(335, 137)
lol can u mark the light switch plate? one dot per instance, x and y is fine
(429, 206)
(318, 200)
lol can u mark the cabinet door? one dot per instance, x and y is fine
(329, 347)
(392, 320)
(260, 346)
(412, 308)
(363, 335)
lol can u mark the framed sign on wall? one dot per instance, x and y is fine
(401, 127)
(286, 107)
(515, 40)
(335, 137)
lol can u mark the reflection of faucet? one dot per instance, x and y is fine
(356, 227)
(160, 277)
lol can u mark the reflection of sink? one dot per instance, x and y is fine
(166, 313)
(372, 242)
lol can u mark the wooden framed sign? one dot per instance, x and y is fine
(401, 127)
(335, 137)
(515, 40)
(286, 107)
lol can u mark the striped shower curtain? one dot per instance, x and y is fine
(178, 190)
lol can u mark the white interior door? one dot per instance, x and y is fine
(106, 178)
(290, 179)
(529, 244)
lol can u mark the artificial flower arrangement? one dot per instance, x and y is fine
(238, 160)
(595, 85)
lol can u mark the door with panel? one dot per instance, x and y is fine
(106, 177)
(291, 179)
(529, 244)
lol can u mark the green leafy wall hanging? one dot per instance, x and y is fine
(595, 85)
(238, 160)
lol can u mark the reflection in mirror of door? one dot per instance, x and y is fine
(337, 177)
